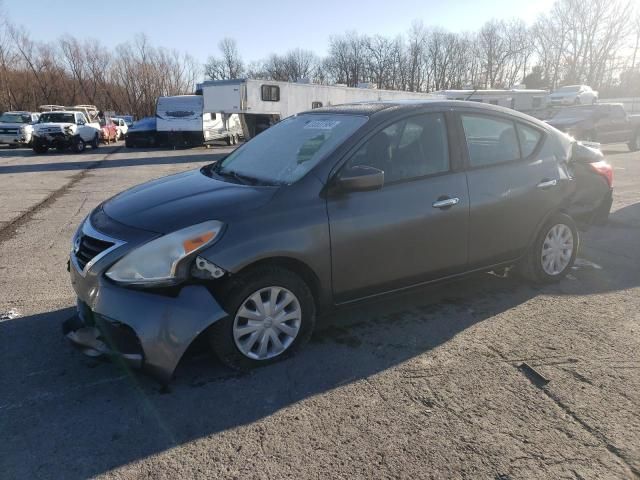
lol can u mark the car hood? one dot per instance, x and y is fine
(181, 200)
(14, 125)
(53, 126)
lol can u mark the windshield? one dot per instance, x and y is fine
(576, 112)
(287, 151)
(57, 117)
(15, 118)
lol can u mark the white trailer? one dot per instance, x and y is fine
(187, 122)
(521, 99)
(261, 103)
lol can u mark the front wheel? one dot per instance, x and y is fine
(79, 145)
(634, 144)
(39, 148)
(272, 314)
(553, 252)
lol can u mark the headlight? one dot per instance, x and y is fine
(158, 261)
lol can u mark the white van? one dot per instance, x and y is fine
(187, 124)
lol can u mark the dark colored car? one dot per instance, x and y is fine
(143, 133)
(325, 208)
(602, 122)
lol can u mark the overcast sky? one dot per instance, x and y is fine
(259, 26)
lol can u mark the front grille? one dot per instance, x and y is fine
(9, 131)
(118, 336)
(89, 248)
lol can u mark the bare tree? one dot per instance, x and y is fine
(229, 65)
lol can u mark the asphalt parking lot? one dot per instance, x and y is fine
(423, 385)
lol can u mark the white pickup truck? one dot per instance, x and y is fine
(16, 128)
(65, 129)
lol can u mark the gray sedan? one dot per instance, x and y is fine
(325, 208)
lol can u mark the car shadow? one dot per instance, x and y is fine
(64, 415)
(207, 156)
(24, 152)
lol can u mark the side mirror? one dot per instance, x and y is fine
(360, 178)
(80, 122)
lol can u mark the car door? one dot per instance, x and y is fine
(619, 130)
(411, 230)
(514, 182)
(84, 130)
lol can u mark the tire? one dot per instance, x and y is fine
(60, 149)
(95, 143)
(589, 136)
(127, 143)
(533, 267)
(577, 101)
(225, 336)
(634, 144)
(78, 145)
(601, 213)
(39, 148)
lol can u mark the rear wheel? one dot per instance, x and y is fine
(95, 143)
(553, 251)
(229, 140)
(272, 314)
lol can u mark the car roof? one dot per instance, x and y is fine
(377, 108)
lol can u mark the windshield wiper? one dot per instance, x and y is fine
(239, 177)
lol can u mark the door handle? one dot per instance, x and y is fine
(445, 202)
(547, 183)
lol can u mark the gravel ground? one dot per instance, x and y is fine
(423, 385)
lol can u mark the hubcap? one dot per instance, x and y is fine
(267, 323)
(557, 249)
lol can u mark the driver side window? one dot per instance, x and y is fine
(408, 149)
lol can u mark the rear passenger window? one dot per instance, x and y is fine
(408, 149)
(529, 139)
(490, 140)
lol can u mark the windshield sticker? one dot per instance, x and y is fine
(322, 124)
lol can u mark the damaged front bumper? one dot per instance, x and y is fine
(142, 328)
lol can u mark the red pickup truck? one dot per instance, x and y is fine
(108, 130)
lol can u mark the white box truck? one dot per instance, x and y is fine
(187, 123)
(261, 103)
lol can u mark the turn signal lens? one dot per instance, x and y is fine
(192, 244)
